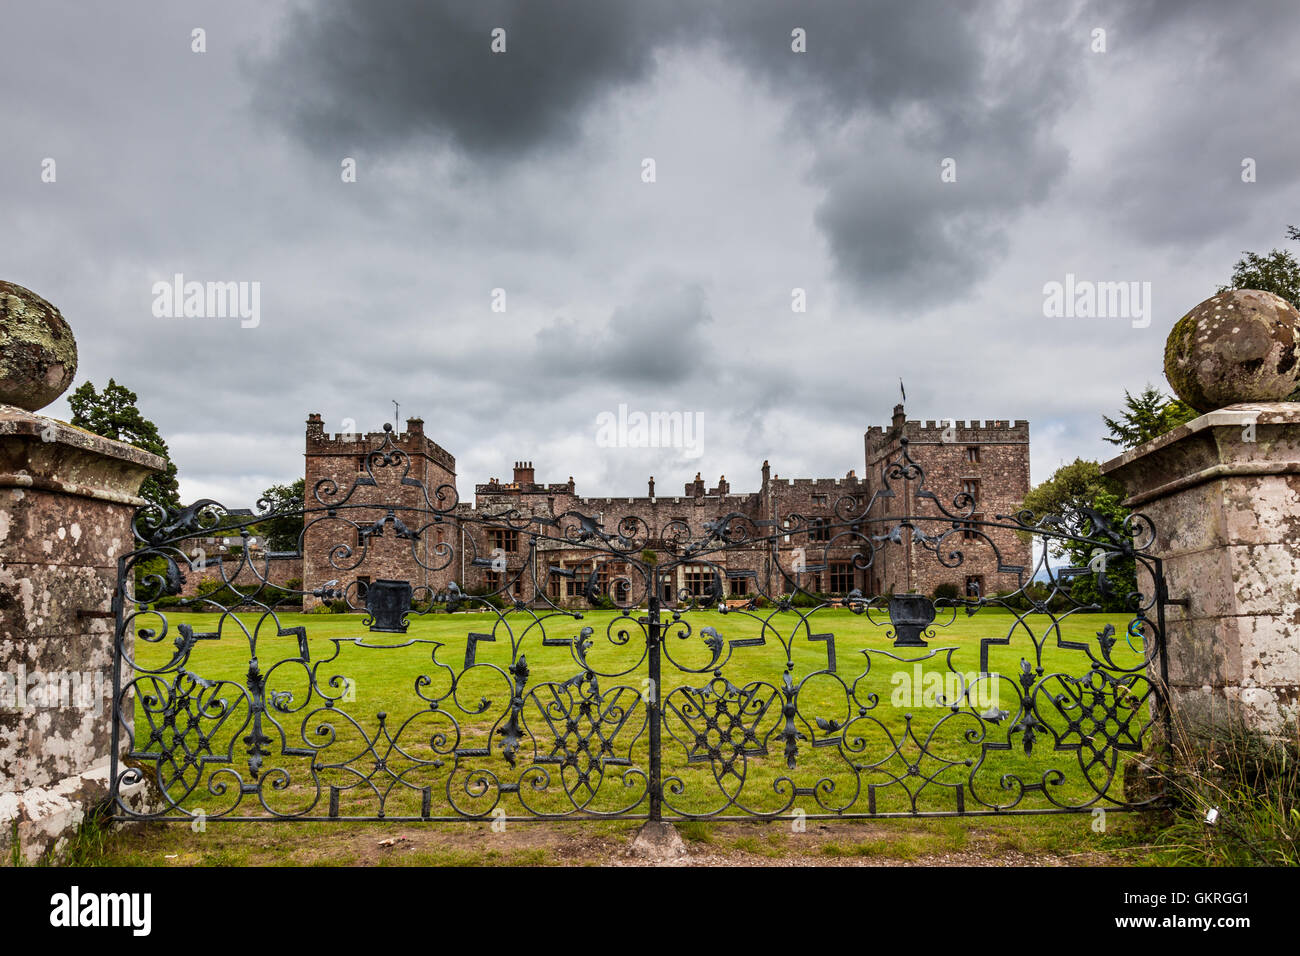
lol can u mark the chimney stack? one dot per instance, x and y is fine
(524, 473)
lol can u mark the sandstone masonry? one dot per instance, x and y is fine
(989, 462)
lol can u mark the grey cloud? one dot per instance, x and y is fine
(654, 342)
(1178, 183)
(390, 72)
(978, 83)
(379, 289)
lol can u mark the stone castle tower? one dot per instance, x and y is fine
(988, 461)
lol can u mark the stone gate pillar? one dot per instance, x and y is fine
(1224, 494)
(1226, 507)
(66, 502)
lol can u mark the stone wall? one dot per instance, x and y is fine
(66, 502)
(1223, 492)
(255, 568)
(990, 461)
(1001, 470)
(333, 547)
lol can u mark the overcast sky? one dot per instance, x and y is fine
(523, 171)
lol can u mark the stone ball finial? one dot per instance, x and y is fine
(1237, 346)
(38, 355)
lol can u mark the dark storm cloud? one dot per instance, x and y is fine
(818, 170)
(389, 72)
(877, 56)
(970, 88)
(914, 82)
(1179, 180)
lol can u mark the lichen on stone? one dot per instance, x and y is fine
(38, 354)
(1237, 346)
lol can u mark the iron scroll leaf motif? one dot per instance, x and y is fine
(570, 662)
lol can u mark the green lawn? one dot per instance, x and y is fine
(438, 747)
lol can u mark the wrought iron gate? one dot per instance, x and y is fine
(709, 675)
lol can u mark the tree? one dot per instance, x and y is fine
(1150, 414)
(282, 533)
(1277, 272)
(1073, 491)
(113, 414)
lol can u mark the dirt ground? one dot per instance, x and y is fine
(1027, 842)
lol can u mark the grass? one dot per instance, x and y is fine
(401, 676)
(1246, 783)
(1058, 839)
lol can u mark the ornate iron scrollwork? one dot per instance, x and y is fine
(711, 689)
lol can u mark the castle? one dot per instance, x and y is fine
(988, 461)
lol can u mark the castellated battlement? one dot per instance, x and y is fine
(732, 500)
(413, 441)
(495, 486)
(993, 431)
(849, 482)
(985, 459)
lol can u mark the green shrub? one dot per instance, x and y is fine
(1037, 592)
(483, 595)
(947, 591)
(210, 586)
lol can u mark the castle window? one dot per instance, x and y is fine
(577, 585)
(974, 585)
(698, 580)
(507, 539)
(819, 501)
(819, 529)
(738, 587)
(968, 530)
(493, 580)
(363, 585)
(973, 454)
(971, 486)
(842, 577)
